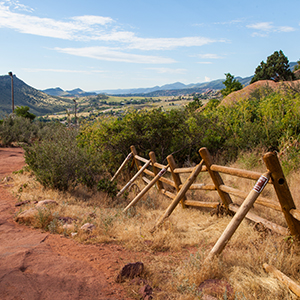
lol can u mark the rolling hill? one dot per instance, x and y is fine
(25, 95)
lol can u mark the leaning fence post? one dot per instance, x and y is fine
(146, 188)
(215, 176)
(155, 170)
(122, 166)
(282, 190)
(239, 216)
(176, 177)
(137, 162)
(131, 181)
(179, 195)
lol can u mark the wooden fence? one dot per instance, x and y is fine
(273, 175)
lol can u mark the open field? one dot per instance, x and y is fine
(87, 106)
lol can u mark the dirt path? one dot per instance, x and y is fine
(37, 265)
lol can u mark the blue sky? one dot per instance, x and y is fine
(98, 45)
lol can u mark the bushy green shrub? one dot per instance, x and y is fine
(17, 129)
(259, 121)
(58, 162)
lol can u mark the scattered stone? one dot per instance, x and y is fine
(130, 271)
(22, 203)
(74, 234)
(7, 179)
(46, 202)
(88, 227)
(66, 220)
(69, 227)
(146, 292)
(138, 281)
(27, 216)
(216, 288)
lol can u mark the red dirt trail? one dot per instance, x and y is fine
(35, 265)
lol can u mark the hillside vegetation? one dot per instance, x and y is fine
(25, 95)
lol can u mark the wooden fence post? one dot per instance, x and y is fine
(146, 188)
(239, 216)
(176, 177)
(155, 170)
(292, 285)
(122, 166)
(137, 162)
(129, 183)
(282, 190)
(215, 176)
(179, 195)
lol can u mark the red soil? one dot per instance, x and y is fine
(39, 265)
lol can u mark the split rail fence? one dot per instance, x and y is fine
(273, 175)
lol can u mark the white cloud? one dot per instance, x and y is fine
(90, 28)
(167, 43)
(207, 79)
(78, 28)
(34, 70)
(91, 20)
(205, 62)
(110, 54)
(209, 56)
(15, 4)
(264, 28)
(285, 29)
(168, 70)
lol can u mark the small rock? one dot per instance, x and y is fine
(27, 216)
(22, 203)
(216, 288)
(7, 179)
(66, 220)
(146, 291)
(87, 227)
(74, 234)
(130, 271)
(69, 227)
(46, 202)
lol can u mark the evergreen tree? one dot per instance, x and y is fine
(276, 68)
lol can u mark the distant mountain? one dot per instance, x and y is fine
(25, 95)
(72, 93)
(175, 89)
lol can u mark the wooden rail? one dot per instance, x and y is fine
(274, 174)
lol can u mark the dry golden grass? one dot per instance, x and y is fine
(177, 250)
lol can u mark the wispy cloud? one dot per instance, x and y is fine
(111, 54)
(264, 28)
(34, 70)
(16, 5)
(168, 70)
(89, 28)
(209, 56)
(204, 62)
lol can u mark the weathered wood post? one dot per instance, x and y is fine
(141, 170)
(122, 166)
(282, 190)
(215, 176)
(146, 188)
(239, 216)
(176, 177)
(179, 195)
(137, 162)
(155, 170)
